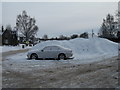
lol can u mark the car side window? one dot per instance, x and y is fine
(47, 48)
(55, 48)
(51, 48)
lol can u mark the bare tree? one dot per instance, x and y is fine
(118, 15)
(26, 25)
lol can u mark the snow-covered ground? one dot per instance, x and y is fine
(84, 50)
(11, 48)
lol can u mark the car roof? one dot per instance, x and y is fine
(54, 46)
(57, 46)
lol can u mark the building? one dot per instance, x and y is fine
(9, 37)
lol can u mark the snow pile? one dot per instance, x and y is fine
(85, 48)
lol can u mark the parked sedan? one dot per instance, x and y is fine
(56, 52)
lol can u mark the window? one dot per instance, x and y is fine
(6, 41)
(55, 48)
(47, 48)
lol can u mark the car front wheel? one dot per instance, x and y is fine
(34, 56)
(61, 56)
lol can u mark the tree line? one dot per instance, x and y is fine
(63, 37)
(110, 27)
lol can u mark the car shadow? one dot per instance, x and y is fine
(50, 59)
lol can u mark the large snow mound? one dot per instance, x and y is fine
(85, 48)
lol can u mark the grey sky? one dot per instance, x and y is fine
(60, 18)
(0, 13)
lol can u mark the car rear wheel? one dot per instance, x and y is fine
(61, 56)
(34, 56)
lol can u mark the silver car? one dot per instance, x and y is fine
(56, 52)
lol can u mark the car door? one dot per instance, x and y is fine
(43, 52)
(55, 52)
(51, 52)
(46, 52)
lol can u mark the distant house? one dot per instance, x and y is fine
(9, 38)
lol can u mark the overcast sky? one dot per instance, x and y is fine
(59, 18)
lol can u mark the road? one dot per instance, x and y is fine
(102, 74)
(6, 54)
